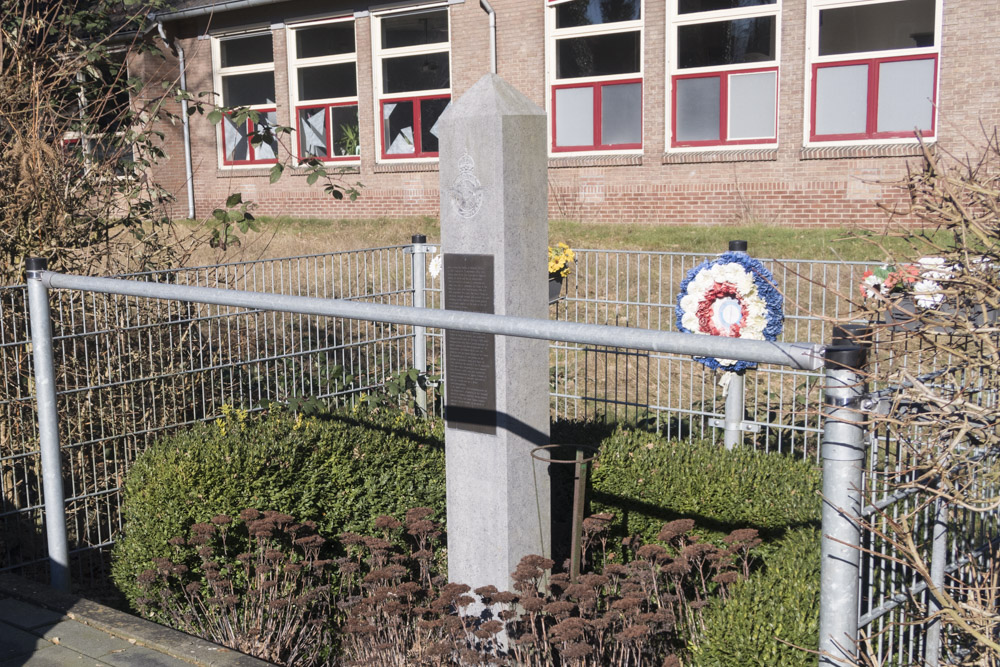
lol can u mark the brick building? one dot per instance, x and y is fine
(661, 111)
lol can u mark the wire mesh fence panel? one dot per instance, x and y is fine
(129, 370)
(678, 395)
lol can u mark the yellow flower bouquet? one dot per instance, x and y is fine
(560, 260)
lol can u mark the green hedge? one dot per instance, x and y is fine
(647, 480)
(779, 603)
(340, 472)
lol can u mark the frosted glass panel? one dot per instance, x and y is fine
(842, 99)
(905, 91)
(752, 99)
(698, 109)
(237, 145)
(575, 117)
(621, 114)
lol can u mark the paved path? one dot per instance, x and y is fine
(40, 627)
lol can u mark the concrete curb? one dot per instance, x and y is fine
(125, 626)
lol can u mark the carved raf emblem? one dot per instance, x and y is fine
(467, 191)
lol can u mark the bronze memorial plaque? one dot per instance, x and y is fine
(470, 368)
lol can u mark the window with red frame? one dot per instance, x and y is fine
(597, 116)
(244, 74)
(724, 72)
(323, 77)
(875, 70)
(414, 81)
(596, 46)
(248, 141)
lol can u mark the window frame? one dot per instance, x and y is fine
(218, 72)
(380, 54)
(296, 104)
(251, 149)
(674, 73)
(552, 83)
(874, 60)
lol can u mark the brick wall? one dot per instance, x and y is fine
(786, 185)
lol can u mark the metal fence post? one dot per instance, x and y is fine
(48, 425)
(843, 455)
(419, 268)
(939, 564)
(736, 397)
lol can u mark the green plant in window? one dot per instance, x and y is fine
(349, 139)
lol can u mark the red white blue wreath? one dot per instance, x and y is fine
(732, 296)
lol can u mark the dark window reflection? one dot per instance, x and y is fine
(691, 6)
(726, 42)
(596, 12)
(252, 50)
(326, 81)
(410, 73)
(247, 89)
(887, 25)
(415, 29)
(600, 55)
(430, 111)
(325, 40)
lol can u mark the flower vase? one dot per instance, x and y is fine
(555, 288)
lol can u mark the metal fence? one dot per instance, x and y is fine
(130, 369)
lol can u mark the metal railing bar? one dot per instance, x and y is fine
(801, 355)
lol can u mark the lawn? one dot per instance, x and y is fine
(286, 237)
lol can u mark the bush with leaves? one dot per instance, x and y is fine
(340, 471)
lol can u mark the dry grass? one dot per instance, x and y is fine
(289, 237)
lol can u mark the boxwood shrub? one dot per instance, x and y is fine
(341, 472)
(776, 605)
(647, 480)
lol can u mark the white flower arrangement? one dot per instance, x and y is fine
(435, 266)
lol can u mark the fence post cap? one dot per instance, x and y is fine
(36, 264)
(738, 246)
(852, 334)
(418, 238)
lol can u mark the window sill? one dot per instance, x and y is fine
(403, 167)
(740, 155)
(231, 171)
(595, 161)
(870, 151)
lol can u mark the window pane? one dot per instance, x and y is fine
(726, 42)
(752, 101)
(268, 148)
(842, 99)
(430, 112)
(326, 81)
(397, 128)
(237, 146)
(414, 29)
(245, 89)
(905, 91)
(621, 114)
(575, 116)
(325, 40)
(252, 50)
(312, 132)
(698, 104)
(596, 12)
(691, 6)
(345, 130)
(411, 73)
(876, 27)
(600, 55)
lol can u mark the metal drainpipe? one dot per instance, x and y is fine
(185, 120)
(493, 34)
